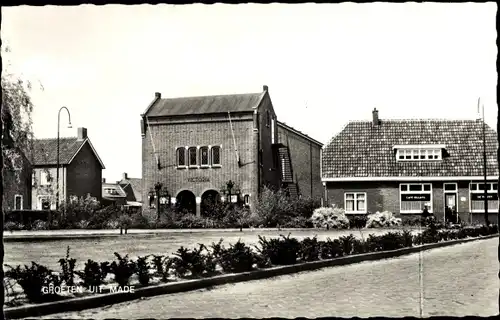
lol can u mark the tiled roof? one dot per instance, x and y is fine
(205, 104)
(45, 150)
(136, 186)
(300, 133)
(116, 187)
(364, 150)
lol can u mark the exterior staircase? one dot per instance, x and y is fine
(287, 181)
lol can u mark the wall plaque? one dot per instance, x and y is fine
(416, 197)
(198, 179)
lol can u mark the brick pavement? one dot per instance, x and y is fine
(458, 280)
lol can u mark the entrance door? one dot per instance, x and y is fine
(450, 207)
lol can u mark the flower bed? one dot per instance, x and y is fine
(31, 284)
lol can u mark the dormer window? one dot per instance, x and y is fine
(419, 153)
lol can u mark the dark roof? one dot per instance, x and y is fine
(297, 132)
(364, 150)
(136, 186)
(205, 104)
(119, 193)
(45, 150)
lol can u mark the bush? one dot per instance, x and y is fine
(196, 261)
(309, 249)
(82, 224)
(331, 249)
(40, 225)
(274, 207)
(94, 273)
(298, 222)
(191, 221)
(142, 268)
(347, 243)
(357, 222)
(329, 218)
(236, 217)
(304, 207)
(33, 279)
(279, 251)
(140, 221)
(162, 266)
(123, 269)
(13, 226)
(99, 219)
(238, 258)
(382, 219)
(82, 208)
(68, 269)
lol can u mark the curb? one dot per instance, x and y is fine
(96, 301)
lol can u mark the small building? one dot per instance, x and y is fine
(113, 194)
(404, 166)
(80, 170)
(192, 147)
(17, 182)
(133, 189)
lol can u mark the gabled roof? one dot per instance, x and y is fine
(205, 104)
(45, 151)
(118, 191)
(364, 150)
(136, 186)
(299, 133)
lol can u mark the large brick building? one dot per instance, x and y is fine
(194, 145)
(404, 165)
(80, 171)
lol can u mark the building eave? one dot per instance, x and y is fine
(408, 178)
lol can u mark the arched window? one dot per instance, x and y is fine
(204, 157)
(192, 152)
(216, 156)
(181, 157)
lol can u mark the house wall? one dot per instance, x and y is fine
(17, 183)
(385, 196)
(305, 158)
(49, 189)
(84, 175)
(205, 130)
(269, 170)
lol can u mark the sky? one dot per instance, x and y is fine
(324, 64)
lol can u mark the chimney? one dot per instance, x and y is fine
(266, 88)
(157, 95)
(376, 120)
(103, 180)
(124, 176)
(82, 134)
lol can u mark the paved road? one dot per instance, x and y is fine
(457, 281)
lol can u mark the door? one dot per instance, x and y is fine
(450, 208)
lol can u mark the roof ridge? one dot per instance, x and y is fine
(213, 95)
(417, 119)
(60, 138)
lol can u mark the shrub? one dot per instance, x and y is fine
(298, 222)
(412, 222)
(142, 268)
(237, 258)
(94, 273)
(195, 261)
(123, 269)
(347, 244)
(140, 221)
(99, 219)
(112, 224)
(13, 226)
(33, 279)
(382, 219)
(392, 241)
(236, 217)
(191, 221)
(331, 249)
(82, 224)
(329, 218)
(274, 207)
(40, 225)
(357, 222)
(279, 251)
(79, 209)
(304, 207)
(68, 269)
(125, 221)
(309, 249)
(162, 266)
(215, 210)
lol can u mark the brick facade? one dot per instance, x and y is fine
(385, 196)
(17, 184)
(305, 158)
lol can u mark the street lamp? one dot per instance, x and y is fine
(228, 190)
(57, 168)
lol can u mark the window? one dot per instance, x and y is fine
(268, 119)
(418, 154)
(414, 197)
(18, 202)
(246, 200)
(355, 202)
(192, 156)
(477, 196)
(450, 187)
(204, 161)
(181, 157)
(44, 178)
(216, 156)
(273, 124)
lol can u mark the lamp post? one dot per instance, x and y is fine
(158, 187)
(57, 167)
(486, 220)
